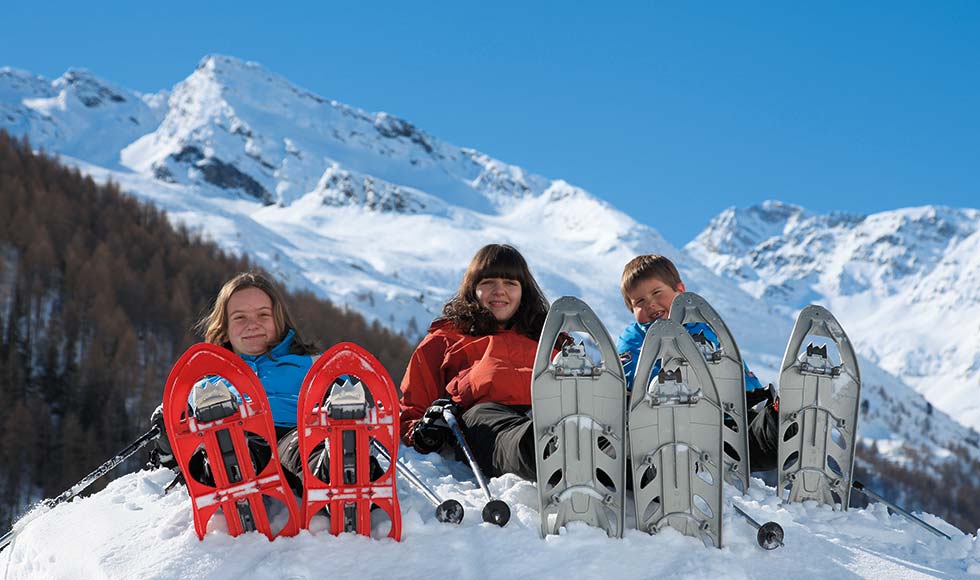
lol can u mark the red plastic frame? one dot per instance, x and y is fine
(381, 423)
(186, 434)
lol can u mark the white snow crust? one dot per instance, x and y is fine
(132, 530)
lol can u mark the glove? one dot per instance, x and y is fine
(431, 432)
(161, 455)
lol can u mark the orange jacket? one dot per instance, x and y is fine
(449, 363)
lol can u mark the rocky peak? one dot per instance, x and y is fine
(16, 85)
(89, 89)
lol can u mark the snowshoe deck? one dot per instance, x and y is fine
(675, 429)
(579, 416)
(215, 403)
(818, 411)
(348, 400)
(726, 368)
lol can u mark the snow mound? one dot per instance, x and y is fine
(133, 530)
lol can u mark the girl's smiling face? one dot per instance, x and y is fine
(251, 324)
(501, 296)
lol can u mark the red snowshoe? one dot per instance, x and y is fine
(213, 406)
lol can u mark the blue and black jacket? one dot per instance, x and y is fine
(282, 374)
(629, 343)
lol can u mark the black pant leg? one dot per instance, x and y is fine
(763, 439)
(501, 438)
(319, 461)
(289, 458)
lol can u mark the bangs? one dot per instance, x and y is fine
(500, 262)
(497, 261)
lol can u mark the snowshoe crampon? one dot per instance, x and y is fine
(220, 428)
(348, 400)
(819, 396)
(725, 365)
(675, 429)
(579, 403)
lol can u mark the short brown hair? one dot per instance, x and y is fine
(497, 261)
(648, 266)
(214, 325)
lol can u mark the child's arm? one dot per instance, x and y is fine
(628, 347)
(423, 382)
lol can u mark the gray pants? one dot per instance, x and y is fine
(501, 438)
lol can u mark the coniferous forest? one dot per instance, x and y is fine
(98, 294)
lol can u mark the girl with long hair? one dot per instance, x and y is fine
(250, 318)
(477, 358)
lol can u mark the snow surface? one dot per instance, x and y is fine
(132, 530)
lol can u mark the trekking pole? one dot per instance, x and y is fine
(90, 478)
(770, 535)
(450, 510)
(496, 511)
(860, 487)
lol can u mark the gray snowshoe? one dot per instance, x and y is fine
(725, 365)
(579, 415)
(819, 396)
(675, 430)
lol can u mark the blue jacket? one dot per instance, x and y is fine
(282, 374)
(629, 342)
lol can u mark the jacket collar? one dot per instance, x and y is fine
(637, 330)
(280, 350)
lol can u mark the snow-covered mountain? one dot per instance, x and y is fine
(78, 114)
(905, 283)
(373, 213)
(362, 208)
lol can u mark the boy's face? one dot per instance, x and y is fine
(650, 299)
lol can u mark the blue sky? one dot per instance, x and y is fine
(671, 111)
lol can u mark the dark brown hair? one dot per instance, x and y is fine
(214, 325)
(497, 261)
(648, 266)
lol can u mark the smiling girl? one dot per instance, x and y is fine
(250, 318)
(478, 357)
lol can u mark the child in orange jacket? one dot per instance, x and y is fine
(477, 358)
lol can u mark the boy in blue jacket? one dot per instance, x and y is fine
(649, 285)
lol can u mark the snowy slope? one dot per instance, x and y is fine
(905, 283)
(132, 530)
